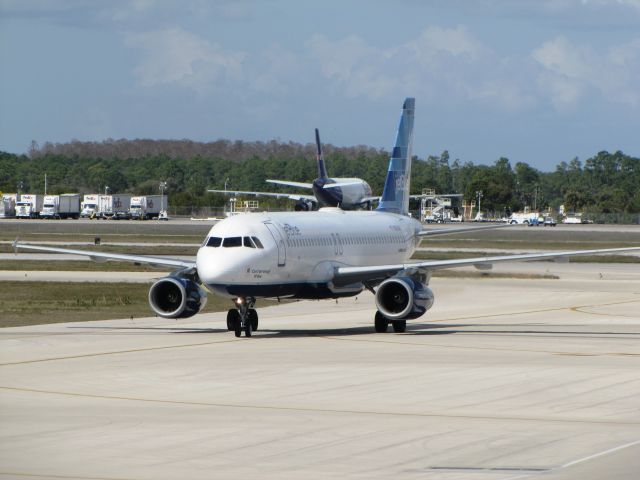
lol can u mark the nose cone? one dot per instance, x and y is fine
(223, 266)
(214, 266)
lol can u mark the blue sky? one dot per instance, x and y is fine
(538, 81)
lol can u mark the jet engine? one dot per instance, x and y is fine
(402, 298)
(303, 206)
(175, 297)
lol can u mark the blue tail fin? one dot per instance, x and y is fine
(395, 196)
(322, 170)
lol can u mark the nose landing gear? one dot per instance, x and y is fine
(243, 317)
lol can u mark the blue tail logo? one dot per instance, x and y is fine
(395, 196)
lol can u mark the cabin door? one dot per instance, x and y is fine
(277, 236)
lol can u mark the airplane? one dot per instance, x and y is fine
(347, 193)
(326, 254)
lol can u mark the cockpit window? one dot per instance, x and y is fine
(257, 241)
(232, 242)
(248, 242)
(214, 242)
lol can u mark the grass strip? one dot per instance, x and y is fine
(37, 303)
(74, 266)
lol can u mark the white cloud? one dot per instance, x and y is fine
(571, 72)
(174, 56)
(354, 66)
(440, 63)
(436, 40)
(606, 3)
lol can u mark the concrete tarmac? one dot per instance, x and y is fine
(502, 379)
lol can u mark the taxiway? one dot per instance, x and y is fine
(504, 379)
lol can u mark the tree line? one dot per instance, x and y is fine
(604, 183)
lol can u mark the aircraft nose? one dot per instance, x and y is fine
(212, 265)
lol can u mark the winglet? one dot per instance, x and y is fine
(395, 196)
(322, 169)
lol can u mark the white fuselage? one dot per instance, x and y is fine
(352, 194)
(300, 251)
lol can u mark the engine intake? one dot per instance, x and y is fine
(303, 206)
(401, 298)
(173, 297)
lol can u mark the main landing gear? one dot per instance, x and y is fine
(243, 317)
(381, 324)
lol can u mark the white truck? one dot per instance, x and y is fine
(114, 207)
(29, 205)
(89, 206)
(8, 205)
(147, 207)
(528, 218)
(57, 207)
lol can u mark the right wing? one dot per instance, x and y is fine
(104, 256)
(290, 196)
(291, 184)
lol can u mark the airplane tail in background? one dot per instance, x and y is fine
(395, 196)
(322, 170)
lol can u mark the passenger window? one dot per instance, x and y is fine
(214, 242)
(257, 241)
(248, 242)
(232, 242)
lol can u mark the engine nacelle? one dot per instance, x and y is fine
(401, 298)
(174, 297)
(303, 206)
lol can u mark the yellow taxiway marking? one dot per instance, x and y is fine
(323, 410)
(117, 352)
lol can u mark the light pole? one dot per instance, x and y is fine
(225, 183)
(163, 185)
(479, 195)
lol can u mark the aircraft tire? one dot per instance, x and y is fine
(381, 323)
(253, 318)
(232, 318)
(399, 326)
(248, 330)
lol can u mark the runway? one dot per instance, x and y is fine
(502, 379)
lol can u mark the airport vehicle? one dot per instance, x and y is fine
(114, 207)
(329, 253)
(549, 222)
(147, 207)
(66, 205)
(29, 205)
(528, 218)
(8, 205)
(346, 193)
(89, 206)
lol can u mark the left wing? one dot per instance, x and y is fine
(104, 256)
(289, 196)
(291, 184)
(346, 275)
